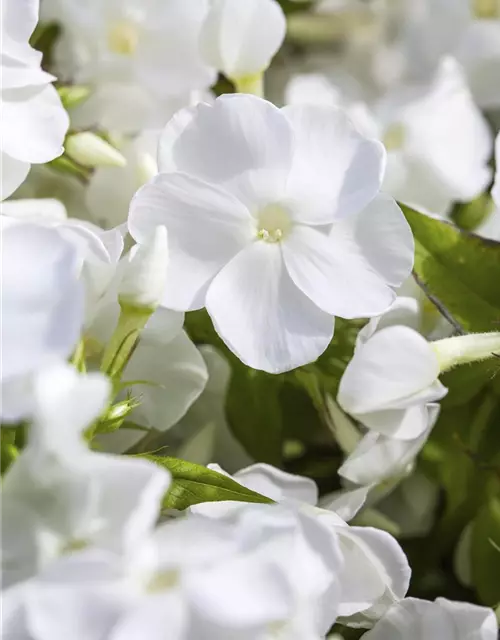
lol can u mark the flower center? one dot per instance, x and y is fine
(123, 37)
(273, 223)
(163, 581)
(394, 137)
(486, 9)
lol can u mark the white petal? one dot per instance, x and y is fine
(448, 130)
(34, 124)
(346, 503)
(333, 272)
(241, 142)
(496, 187)
(177, 374)
(278, 485)
(42, 299)
(269, 324)
(479, 622)
(206, 225)
(158, 612)
(385, 561)
(405, 311)
(13, 174)
(404, 424)
(35, 209)
(378, 458)
(336, 171)
(240, 38)
(394, 364)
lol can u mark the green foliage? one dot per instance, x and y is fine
(193, 484)
(485, 552)
(460, 271)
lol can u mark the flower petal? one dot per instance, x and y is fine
(336, 171)
(34, 124)
(13, 174)
(268, 322)
(206, 225)
(333, 272)
(278, 485)
(240, 38)
(394, 364)
(241, 142)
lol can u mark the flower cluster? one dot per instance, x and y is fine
(249, 290)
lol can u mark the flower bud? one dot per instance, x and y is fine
(145, 272)
(89, 150)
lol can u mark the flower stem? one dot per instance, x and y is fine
(452, 352)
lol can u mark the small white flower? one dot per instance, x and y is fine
(448, 620)
(66, 496)
(34, 122)
(141, 59)
(275, 225)
(390, 381)
(240, 38)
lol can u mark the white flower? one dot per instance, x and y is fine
(379, 458)
(191, 578)
(390, 381)
(34, 122)
(438, 142)
(448, 620)
(466, 29)
(110, 189)
(65, 497)
(375, 571)
(141, 58)
(42, 307)
(144, 273)
(275, 225)
(240, 38)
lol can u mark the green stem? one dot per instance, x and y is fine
(124, 340)
(452, 352)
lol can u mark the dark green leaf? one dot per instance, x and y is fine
(193, 484)
(459, 270)
(485, 558)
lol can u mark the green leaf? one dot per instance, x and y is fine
(458, 270)
(193, 484)
(466, 382)
(485, 559)
(254, 413)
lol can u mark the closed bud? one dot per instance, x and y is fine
(89, 150)
(145, 272)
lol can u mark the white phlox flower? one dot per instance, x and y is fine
(64, 497)
(110, 189)
(446, 619)
(141, 58)
(375, 571)
(438, 142)
(42, 308)
(390, 382)
(240, 38)
(34, 122)
(275, 225)
(466, 29)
